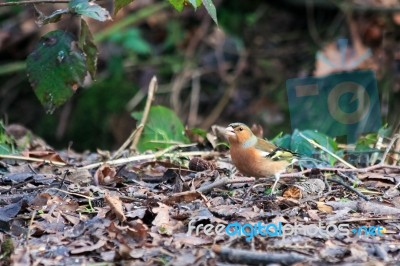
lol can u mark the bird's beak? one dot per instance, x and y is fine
(229, 131)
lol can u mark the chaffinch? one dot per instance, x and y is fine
(256, 157)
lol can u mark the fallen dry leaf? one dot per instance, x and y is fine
(116, 206)
(324, 208)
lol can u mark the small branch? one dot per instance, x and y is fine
(222, 182)
(20, 3)
(126, 143)
(152, 89)
(258, 258)
(194, 99)
(350, 188)
(231, 81)
(389, 147)
(29, 159)
(334, 169)
(147, 157)
(28, 235)
(312, 142)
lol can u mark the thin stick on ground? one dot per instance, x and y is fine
(135, 135)
(258, 258)
(148, 157)
(126, 143)
(350, 188)
(389, 147)
(28, 235)
(334, 169)
(327, 151)
(30, 159)
(222, 182)
(152, 90)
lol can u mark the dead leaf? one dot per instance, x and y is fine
(106, 175)
(313, 215)
(324, 208)
(98, 245)
(187, 196)
(182, 239)
(116, 206)
(44, 155)
(162, 219)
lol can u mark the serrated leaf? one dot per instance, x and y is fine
(177, 4)
(118, 4)
(56, 68)
(89, 9)
(89, 48)
(163, 129)
(195, 3)
(212, 11)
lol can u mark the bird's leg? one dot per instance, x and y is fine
(277, 176)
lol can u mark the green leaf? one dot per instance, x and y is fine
(56, 68)
(163, 129)
(195, 3)
(177, 4)
(89, 9)
(298, 144)
(212, 11)
(88, 47)
(118, 4)
(6, 141)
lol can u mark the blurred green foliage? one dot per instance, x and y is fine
(297, 143)
(90, 118)
(162, 129)
(132, 40)
(6, 141)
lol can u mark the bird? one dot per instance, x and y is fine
(257, 157)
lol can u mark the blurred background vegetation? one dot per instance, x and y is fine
(207, 74)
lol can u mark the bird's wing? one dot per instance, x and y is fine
(274, 152)
(282, 154)
(265, 147)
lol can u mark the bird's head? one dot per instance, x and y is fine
(238, 133)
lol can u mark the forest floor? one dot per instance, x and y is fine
(173, 207)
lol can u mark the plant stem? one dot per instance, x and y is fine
(20, 3)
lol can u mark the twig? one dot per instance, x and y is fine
(30, 225)
(231, 87)
(222, 182)
(258, 258)
(73, 193)
(152, 89)
(194, 98)
(350, 188)
(31, 168)
(334, 169)
(182, 78)
(389, 147)
(19, 3)
(327, 151)
(126, 143)
(30, 159)
(146, 157)
(364, 219)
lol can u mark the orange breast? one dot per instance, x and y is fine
(249, 162)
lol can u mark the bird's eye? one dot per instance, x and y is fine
(240, 129)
